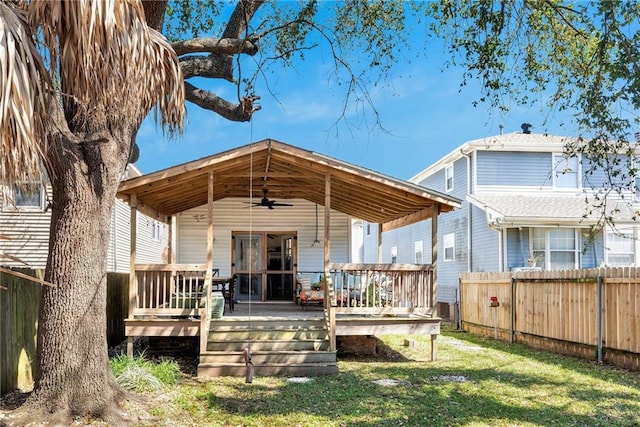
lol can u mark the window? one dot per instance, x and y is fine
(566, 173)
(394, 254)
(449, 241)
(28, 196)
(448, 178)
(156, 230)
(368, 229)
(417, 250)
(620, 247)
(557, 248)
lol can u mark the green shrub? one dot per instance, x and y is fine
(142, 375)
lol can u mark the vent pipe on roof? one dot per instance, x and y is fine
(526, 128)
(501, 129)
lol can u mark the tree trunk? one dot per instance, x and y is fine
(74, 376)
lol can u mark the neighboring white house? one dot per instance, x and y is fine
(522, 199)
(25, 219)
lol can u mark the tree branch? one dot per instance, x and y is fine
(227, 46)
(212, 66)
(210, 101)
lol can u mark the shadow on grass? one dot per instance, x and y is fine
(510, 385)
(422, 399)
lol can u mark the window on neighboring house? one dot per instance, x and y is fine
(417, 250)
(156, 230)
(566, 171)
(449, 243)
(28, 196)
(394, 254)
(557, 248)
(448, 178)
(620, 247)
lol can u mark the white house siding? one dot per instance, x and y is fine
(232, 215)
(29, 237)
(370, 242)
(509, 169)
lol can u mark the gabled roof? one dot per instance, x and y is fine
(287, 172)
(515, 141)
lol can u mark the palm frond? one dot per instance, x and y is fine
(110, 64)
(22, 99)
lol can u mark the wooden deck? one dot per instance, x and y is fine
(358, 304)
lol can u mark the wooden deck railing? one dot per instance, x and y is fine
(383, 288)
(172, 289)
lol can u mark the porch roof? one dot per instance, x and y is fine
(287, 172)
(577, 210)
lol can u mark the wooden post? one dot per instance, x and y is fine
(170, 259)
(210, 223)
(327, 260)
(133, 283)
(434, 258)
(379, 244)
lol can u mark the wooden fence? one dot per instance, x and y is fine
(19, 305)
(592, 313)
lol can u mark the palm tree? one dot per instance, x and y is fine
(77, 119)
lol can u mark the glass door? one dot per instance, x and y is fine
(279, 262)
(248, 266)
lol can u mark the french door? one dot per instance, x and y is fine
(264, 265)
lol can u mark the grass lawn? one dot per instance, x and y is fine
(475, 382)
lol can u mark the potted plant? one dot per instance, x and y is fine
(534, 258)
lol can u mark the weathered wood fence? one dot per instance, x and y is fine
(19, 305)
(592, 313)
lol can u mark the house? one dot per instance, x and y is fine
(24, 224)
(259, 222)
(526, 205)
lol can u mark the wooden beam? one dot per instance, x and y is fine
(408, 219)
(210, 222)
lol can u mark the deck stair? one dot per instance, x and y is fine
(280, 346)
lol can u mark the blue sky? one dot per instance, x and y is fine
(422, 107)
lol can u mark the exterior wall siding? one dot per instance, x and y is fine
(231, 215)
(485, 243)
(449, 270)
(506, 168)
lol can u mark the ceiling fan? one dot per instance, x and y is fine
(266, 203)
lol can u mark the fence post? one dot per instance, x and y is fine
(512, 322)
(460, 303)
(600, 318)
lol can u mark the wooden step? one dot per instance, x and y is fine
(269, 345)
(268, 334)
(276, 323)
(267, 357)
(276, 369)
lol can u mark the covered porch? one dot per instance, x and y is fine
(183, 299)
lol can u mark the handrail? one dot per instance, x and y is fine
(205, 317)
(331, 303)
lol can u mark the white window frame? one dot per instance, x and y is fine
(614, 239)
(20, 206)
(156, 231)
(448, 178)
(563, 171)
(449, 246)
(542, 246)
(418, 252)
(394, 254)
